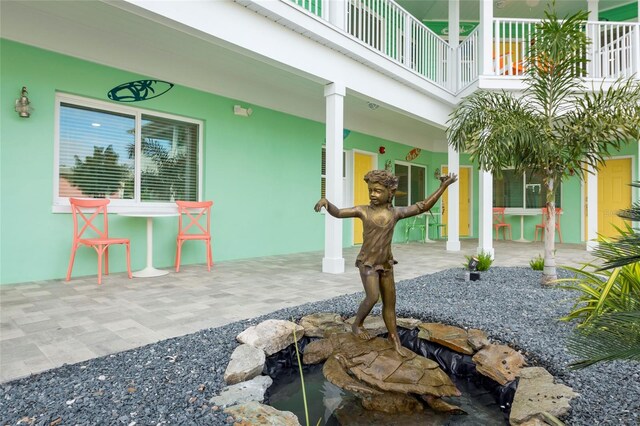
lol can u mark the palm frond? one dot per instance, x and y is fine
(611, 336)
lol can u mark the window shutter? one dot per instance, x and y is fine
(95, 153)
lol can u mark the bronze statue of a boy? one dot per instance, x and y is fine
(375, 260)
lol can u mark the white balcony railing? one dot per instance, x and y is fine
(614, 51)
(387, 28)
(468, 60)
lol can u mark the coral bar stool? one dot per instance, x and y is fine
(194, 223)
(85, 212)
(541, 226)
(499, 223)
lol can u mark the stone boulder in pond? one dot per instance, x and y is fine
(322, 324)
(254, 413)
(271, 335)
(246, 363)
(499, 362)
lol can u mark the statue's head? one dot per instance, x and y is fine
(382, 179)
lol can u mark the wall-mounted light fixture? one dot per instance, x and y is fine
(242, 112)
(23, 107)
(436, 173)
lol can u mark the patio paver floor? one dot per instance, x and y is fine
(46, 324)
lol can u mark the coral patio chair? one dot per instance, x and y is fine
(545, 217)
(194, 223)
(499, 223)
(85, 212)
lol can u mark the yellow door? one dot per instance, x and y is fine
(465, 201)
(362, 163)
(614, 194)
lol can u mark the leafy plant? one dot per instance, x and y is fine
(98, 175)
(304, 392)
(483, 259)
(555, 127)
(609, 306)
(537, 263)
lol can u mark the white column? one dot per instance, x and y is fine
(334, 93)
(592, 7)
(486, 38)
(592, 210)
(453, 207)
(337, 13)
(592, 33)
(454, 41)
(485, 210)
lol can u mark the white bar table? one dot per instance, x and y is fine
(149, 270)
(522, 213)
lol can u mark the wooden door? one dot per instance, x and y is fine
(464, 207)
(362, 163)
(614, 194)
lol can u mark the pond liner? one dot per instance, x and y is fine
(453, 363)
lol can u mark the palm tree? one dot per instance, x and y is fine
(556, 127)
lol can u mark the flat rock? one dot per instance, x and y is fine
(240, 393)
(454, 338)
(254, 413)
(477, 339)
(317, 351)
(499, 362)
(322, 324)
(537, 397)
(271, 335)
(246, 363)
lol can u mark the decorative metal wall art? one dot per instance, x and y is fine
(140, 90)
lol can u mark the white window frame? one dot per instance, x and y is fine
(409, 165)
(518, 210)
(61, 204)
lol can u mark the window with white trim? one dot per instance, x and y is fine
(522, 190)
(323, 171)
(411, 184)
(134, 157)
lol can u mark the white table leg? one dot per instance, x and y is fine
(149, 270)
(522, 240)
(426, 231)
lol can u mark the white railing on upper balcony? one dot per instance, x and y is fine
(468, 60)
(391, 30)
(313, 6)
(614, 51)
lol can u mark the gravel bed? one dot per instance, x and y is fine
(171, 382)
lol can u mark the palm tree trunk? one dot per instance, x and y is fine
(549, 273)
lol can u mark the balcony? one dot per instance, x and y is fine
(389, 30)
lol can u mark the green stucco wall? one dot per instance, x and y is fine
(262, 172)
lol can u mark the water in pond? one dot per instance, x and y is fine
(337, 407)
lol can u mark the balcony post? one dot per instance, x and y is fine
(593, 31)
(486, 38)
(454, 42)
(635, 50)
(485, 210)
(337, 13)
(334, 93)
(453, 203)
(408, 52)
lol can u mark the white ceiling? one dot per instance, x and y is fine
(104, 33)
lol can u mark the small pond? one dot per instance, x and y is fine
(484, 401)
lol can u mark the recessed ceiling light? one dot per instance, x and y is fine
(96, 124)
(500, 4)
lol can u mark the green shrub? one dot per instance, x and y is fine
(537, 263)
(484, 261)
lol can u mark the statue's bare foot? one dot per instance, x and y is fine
(361, 332)
(396, 343)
